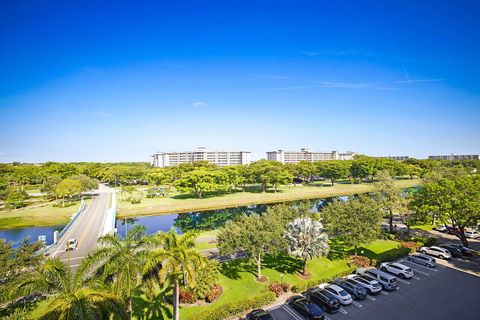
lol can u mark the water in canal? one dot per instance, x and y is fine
(19, 234)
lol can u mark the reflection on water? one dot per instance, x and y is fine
(19, 234)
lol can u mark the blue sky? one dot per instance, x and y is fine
(118, 80)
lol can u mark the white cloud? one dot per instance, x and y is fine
(410, 81)
(102, 114)
(199, 104)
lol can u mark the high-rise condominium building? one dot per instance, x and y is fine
(305, 154)
(220, 158)
(398, 158)
(456, 157)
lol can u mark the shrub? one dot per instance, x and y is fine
(215, 292)
(413, 246)
(313, 283)
(393, 254)
(276, 288)
(235, 307)
(430, 241)
(286, 286)
(187, 296)
(359, 262)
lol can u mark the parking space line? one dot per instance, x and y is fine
(384, 293)
(343, 311)
(397, 288)
(357, 304)
(403, 281)
(417, 278)
(327, 318)
(371, 298)
(419, 265)
(291, 312)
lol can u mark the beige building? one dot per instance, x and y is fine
(305, 154)
(220, 158)
(456, 157)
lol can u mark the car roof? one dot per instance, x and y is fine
(335, 287)
(401, 266)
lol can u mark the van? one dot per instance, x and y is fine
(387, 281)
(422, 259)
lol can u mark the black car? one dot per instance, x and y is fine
(306, 307)
(324, 299)
(259, 314)
(455, 252)
(357, 291)
(465, 251)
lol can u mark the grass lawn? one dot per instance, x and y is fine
(179, 203)
(36, 217)
(424, 227)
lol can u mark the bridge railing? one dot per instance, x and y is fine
(109, 226)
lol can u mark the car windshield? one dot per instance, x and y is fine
(313, 308)
(343, 293)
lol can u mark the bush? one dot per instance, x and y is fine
(313, 283)
(359, 262)
(235, 307)
(413, 246)
(286, 286)
(214, 293)
(276, 288)
(393, 254)
(187, 296)
(430, 241)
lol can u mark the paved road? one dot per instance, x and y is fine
(86, 229)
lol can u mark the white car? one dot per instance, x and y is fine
(343, 296)
(473, 234)
(436, 252)
(372, 286)
(441, 228)
(71, 244)
(397, 269)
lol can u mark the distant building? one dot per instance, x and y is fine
(398, 158)
(456, 157)
(220, 158)
(305, 154)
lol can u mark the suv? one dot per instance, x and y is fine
(259, 314)
(306, 307)
(343, 296)
(465, 251)
(472, 234)
(454, 251)
(387, 281)
(435, 251)
(71, 244)
(422, 259)
(397, 269)
(324, 299)
(357, 291)
(372, 286)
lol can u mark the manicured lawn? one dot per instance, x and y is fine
(36, 217)
(424, 227)
(186, 203)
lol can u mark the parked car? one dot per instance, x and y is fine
(372, 286)
(71, 244)
(465, 251)
(357, 291)
(455, 252)
(474, 234)
(452, 230)
(441, 228)
(397, 269)
(324, 299)
(422, 259)
(387, 281)
(306, 307)
(435, 251)
(259, 314)
(343, 296)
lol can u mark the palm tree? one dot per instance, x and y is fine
(175, 260)
(71, 296)
(306, 239)
(119, 262)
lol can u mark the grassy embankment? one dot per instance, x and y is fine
(178, 203)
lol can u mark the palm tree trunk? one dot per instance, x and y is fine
(304, 266)
(129, 308)
(259, 266)
(176, 312)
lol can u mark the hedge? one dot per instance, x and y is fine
(313, 283)
(235, 307)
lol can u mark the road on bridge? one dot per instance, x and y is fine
(86, 229)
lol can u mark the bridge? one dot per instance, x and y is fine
(92, 221)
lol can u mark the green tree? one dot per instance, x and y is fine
(305, 170)
(255, 235)
(333, 170)
(199, 181)
(306, 239)
(268, 172)
(456, 202)
(68, 188)
(15, 198)
(362, 167)
(87, 184)
(387, 196)
(176, 260)
(355, 221)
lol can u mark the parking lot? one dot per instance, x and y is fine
(438, 293)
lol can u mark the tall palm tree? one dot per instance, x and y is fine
(175, 260)
(119, 262)
(306, 239)
(71, 296)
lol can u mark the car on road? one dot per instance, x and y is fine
(455, 252)
(422, 259)
(465, 251)
(372, 286)
(259, 314)
(357, 291)
(441, 228)
(306, 307)
(435, 251)
(397, 269)
(343, 296)
(473, 234)
(387, 281)
(71, 244)
(324, 299)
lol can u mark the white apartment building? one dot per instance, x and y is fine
(305, 154)
(398, 158)
(220, 158)
(456, 157)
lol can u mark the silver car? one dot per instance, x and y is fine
(397, 269)
(372, 286)
(441, 253)
(423, 260)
